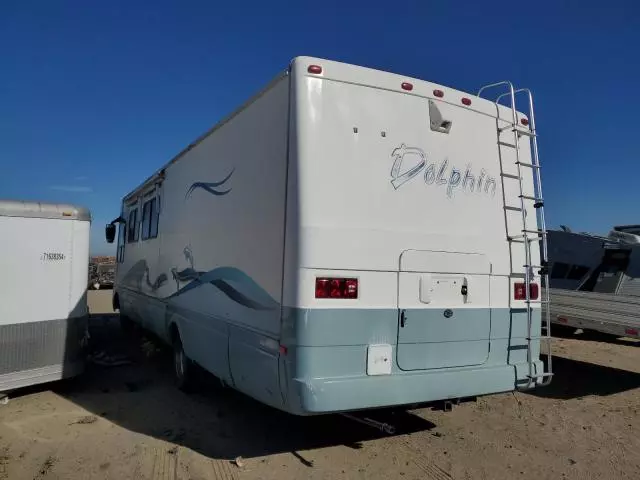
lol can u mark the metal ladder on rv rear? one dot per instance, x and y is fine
(527, 236)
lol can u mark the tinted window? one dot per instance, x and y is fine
(149, 220)
(122, 236)
(153, 229)
(146, 211)
(132, 226)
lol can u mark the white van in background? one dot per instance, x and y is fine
(348, 239)
(44, 264)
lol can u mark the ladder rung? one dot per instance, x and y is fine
(509, 175)
(537, 232)
(529, 197)
(541, 375)
(534, 266)
(506, 144)
(526, 133)
(520, 238)
(525, 164)
(515, 209)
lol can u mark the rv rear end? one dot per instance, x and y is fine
(400, 284)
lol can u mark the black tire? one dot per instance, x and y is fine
(183, 367)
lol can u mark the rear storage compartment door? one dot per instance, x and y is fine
(444, 309)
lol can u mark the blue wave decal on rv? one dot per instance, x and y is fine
(138, 273)
(236, 285)
(213, 188)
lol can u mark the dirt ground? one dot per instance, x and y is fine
(129, 421)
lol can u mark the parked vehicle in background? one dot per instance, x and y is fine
(44, 253)
(102, 272)
(595, 281)
(348, 239)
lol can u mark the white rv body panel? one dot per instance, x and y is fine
(341, 174)
(45, 259)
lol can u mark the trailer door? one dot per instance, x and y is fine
(444, 315)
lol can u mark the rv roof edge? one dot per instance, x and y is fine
(32, 209)
(206, 134)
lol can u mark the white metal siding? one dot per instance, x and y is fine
(32, 287)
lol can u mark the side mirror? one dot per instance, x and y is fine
(110, 232)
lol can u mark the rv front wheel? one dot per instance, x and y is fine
(183, 367)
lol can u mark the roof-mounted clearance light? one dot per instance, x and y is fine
(407, 86)
(524, 121)
(466, 101)
(438, 93)
(315, 69)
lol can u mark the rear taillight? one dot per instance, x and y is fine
(336, 287)
(520, 291)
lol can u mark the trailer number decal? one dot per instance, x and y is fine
(52, 256)
(416, 162)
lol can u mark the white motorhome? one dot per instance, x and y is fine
(348, 239)
(44, 259)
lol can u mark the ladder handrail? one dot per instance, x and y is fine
(543, 226)
(511, 93)
(535, 161)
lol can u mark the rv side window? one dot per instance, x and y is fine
(149, 220)
(155, 214)
(122, 236)
(146, 210)
(132, 226)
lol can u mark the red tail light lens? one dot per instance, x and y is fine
(315, 69)
(520, 291)
(524, 121)
(322, 288)
(336, 287)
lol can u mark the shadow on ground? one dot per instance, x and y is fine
(217, 422)
(575, 379)
(560, 331)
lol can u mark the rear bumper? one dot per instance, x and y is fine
(326, 395)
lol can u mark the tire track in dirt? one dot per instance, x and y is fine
(157, 463)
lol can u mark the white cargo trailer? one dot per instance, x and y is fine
(44, 263)
(347, 239)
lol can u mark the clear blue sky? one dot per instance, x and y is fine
(94, 96)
